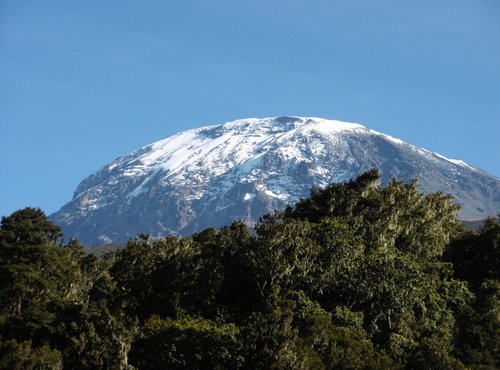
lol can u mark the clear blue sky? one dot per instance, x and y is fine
(85, 81)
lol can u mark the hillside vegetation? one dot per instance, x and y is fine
(357, 276)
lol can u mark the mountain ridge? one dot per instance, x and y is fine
(212, 175)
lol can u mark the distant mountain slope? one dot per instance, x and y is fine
(243, 169)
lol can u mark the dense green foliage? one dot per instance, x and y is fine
(358, 276)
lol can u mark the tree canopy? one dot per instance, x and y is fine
(357, 276)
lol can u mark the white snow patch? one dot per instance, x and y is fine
(329, 126)
(242, 142)
(274, 195)
(458, 162)
(248, 197)
(138, 191)
(105, 239)
(389, 137)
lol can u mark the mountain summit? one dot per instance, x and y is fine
(243, 169)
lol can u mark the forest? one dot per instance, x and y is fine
(357, 276)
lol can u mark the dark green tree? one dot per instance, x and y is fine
(29, 226)
(476, 255)
(186, 343)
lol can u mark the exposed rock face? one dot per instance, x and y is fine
(243, 169)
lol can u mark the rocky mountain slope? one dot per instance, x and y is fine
(243, 169)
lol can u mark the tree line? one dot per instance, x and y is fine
(357, 276)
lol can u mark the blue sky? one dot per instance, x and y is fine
(84, 82)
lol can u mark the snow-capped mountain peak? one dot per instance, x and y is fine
(243, 169)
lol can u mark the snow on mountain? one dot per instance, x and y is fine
(243, 169)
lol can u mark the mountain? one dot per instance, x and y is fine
(241, 170)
